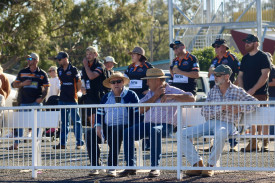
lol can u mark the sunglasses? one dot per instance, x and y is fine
(116, 81)
(218, 75)
(176, 47)
(30, 59)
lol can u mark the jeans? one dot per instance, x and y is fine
(219, 129)
(141, 131)
(72, 114)
(18, 132)
(114, 137)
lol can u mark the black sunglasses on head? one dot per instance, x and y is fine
(218, 75)
(116, 81)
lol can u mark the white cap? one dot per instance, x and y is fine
(110, 59)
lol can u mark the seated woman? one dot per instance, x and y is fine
(111, 121)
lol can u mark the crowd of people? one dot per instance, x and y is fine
(230, 80)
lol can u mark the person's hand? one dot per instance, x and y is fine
(166, 97)
(251, 91)
(85, 62)
(98, 131)
(160, 91)
(26, 83)
(145, 92)
(39, 100)
(83, 90)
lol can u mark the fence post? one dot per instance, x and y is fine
(34, 142)
(179, 140)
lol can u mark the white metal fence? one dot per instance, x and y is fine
(39, 152)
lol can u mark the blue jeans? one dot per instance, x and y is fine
(219, 129)
(19, 131)
(141, 131)
(73, 113)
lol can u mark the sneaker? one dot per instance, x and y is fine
(127, 172)
(59, 146)
(154, 173)
(94, 172)
(80, 147)
(112, 173)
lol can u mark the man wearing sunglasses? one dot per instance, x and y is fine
(70, 85)
(253, 77)
(219, 120)
(223, 57)
(111, 121)
(184, 68)
(34, 84)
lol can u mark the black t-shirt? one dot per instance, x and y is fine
(251, 67)
(94, 88)
(107, 75)
(31, 92)
(230, 60)
(68, 80)
(271, 89)
(188, 63)
(135, 73)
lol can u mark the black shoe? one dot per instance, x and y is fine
(127, 172)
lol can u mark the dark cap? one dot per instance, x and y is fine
(176, 43)
(224, 69)
(219, 42)
(61, 55)
(251, 38)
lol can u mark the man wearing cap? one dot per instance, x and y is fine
(184, 68)
(70, 85)
(34, 84)
(92, 78)
(111, 121)
(109, 63)
(158, 121)
(223, 57)
(220, 120)
(253, 77)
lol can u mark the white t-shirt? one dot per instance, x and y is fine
(54, 87)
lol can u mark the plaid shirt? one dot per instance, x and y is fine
(233, 93)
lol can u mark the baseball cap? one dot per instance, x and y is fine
(219, 42)
(223, 69)
(176, 43)
(251, 38)
(34, 56)
(61, 55)
(110, 59)
(138, 50)
(91, 49)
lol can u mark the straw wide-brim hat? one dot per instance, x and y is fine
(154, 73)
(107, 83)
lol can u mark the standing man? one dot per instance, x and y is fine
(219, 120)
(223, 57)
(92, 78)
(34, 85)
(253, 77)
(109, 63)
(158, 121)
(184, 68)
(70, 85)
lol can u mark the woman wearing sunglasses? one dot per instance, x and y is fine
(111, 121)
(137, 70)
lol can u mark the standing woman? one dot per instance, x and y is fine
(137, 70)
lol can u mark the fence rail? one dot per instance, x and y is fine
(38, 151)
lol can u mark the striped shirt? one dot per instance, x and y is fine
(233, 93)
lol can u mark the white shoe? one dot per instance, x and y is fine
(94, 172)
(30, 134)
(112, 173)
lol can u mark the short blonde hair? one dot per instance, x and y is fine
(53, 68)
(91, 49)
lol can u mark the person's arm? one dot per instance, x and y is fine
(262, 80)
(6, 87)
(78, 85)
(18, 84)
(272, 83)
(240, 79)
(91, 74)
(186, 97)
(192, 74)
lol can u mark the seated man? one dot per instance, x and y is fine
(220, 120)
(158, 121)
(112, 121)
